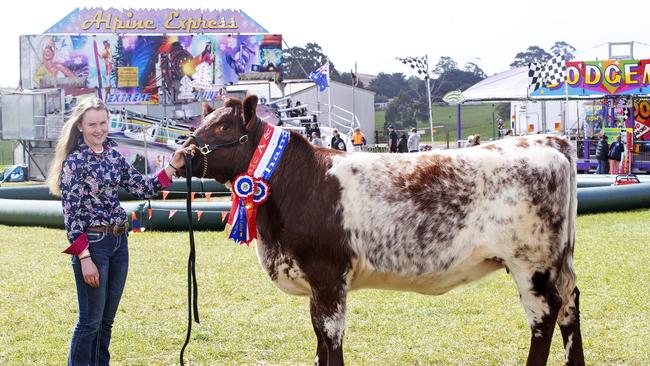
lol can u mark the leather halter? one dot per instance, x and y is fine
(206, 149)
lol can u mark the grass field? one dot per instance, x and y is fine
(245, 320)
(6, 153)
(474, 119)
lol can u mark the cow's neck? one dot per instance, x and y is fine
(300, 186)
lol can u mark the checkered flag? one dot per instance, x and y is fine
(548, 73)
(419, 64)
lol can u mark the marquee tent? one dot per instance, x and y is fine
(504, 86)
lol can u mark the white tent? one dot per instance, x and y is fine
(505, 86)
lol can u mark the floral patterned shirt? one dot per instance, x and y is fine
(89, 184)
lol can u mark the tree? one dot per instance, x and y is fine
(475, 69)
(401, 111)
(563, 48)
(298, 62)
(454, 80)
(445, 64)
(380, 98)
(532, 54)
(389, 85)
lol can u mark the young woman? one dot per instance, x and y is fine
(86, 173)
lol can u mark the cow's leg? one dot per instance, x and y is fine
(569, 315)
(541, 300)
(569, 322)
(321, 348)
(327, 307)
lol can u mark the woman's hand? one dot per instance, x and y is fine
(89, 271)
(178, 158)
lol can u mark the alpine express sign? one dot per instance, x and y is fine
(601, 78)
(98, 20)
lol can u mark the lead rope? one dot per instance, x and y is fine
(192, 287)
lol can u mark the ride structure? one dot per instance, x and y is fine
(591, 98)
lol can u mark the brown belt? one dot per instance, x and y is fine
(109, 229)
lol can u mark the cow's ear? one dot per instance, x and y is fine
(207, 109)
(250, 112)
(235, 105)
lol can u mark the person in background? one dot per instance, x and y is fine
(615, 152)
(86, 172)
(500, 126)
(602, 150)
(414, 141)
(402, 144)
(337, 142)
(392, 139)
(299, 112)
(469, 142)
(315, 139)
(358, 139)
(476, 141)
(313, 127)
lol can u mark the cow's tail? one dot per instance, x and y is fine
(566, 280)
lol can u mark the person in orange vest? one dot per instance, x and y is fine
(358, 139)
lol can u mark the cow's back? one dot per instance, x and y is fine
(418, 218)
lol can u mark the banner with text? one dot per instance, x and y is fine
(601, 78)
(161, 21)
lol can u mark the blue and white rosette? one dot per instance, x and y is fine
(244, 188)
(262, 191)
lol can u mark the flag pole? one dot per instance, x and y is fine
(426, 61)
(354, 79)
(566, 94)
(329, 95)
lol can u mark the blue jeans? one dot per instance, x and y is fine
(603, 167)
(97, 306)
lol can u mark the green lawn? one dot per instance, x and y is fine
(474, 119)
(6, 153)
(245, 320)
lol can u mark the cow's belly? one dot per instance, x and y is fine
(433, 283)
(284, 272)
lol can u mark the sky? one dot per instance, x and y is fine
(374, 33)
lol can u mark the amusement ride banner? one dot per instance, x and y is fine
(601, 78)
(148, 69)
(161, 21)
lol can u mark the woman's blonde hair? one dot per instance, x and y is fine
(69, 140)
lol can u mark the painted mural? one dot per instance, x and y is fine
(143, 69)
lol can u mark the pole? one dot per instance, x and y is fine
(426, 59)
(145, 130)
(458, 125)
(629, 137)
(329, 95)
(566, 100)
(494, 137)
(353, 97)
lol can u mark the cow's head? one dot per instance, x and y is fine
(227, 137)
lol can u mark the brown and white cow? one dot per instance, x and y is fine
(425, 222)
